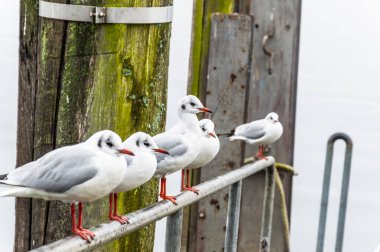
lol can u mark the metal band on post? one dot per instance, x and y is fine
(109, 15)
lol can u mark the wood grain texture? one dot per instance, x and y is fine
(202, 11)
(25, 116)
(50, 48)
(226, 93)
(90, 78)
(271, 92)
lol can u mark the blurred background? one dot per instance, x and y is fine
(338, 90)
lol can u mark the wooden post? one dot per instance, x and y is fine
(268, 92)
(198, 65)
(226, 95)
(89, 78)
(25, 116)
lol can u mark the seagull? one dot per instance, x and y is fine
(141, 168)
(83, 172)
(209, 148)
(182, 141)
(262, 132)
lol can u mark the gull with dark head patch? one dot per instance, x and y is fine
(262, 132)
(210, 144)
(83, 172)
(182, 141)
(141, 168)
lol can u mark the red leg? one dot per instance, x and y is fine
(163, 195)
(188, 187)
(74, 228)
(121, 219)
(260, 153)
(80, 222)
(183, 179)
(110, 206)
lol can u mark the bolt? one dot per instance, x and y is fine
(102, 14)
(202, 215)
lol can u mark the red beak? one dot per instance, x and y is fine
(212, 134)
(161, 151)
(125, 151)
(205, 110)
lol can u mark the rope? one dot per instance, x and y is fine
(284, 209)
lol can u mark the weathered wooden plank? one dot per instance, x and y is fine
(226, 93)
(25, 116)
(50, 47)
(200, 41)
(198, 64)
(271, 92)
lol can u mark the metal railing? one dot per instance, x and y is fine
(343, 194)
(108, 232)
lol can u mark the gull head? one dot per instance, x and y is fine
(108, 142)
(144, 142)
(207, 128)
(191, 104)
(272, 117)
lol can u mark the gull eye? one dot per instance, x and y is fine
(109, 143)
(146, 144)
(203, 129)
(271, 118)
(192, 104)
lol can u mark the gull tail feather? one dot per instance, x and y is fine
(9, 190)
(233, 138)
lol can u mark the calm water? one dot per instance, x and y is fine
(338, 91)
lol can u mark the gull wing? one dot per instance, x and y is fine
(57, 171)
(253, 130)
(174, 144)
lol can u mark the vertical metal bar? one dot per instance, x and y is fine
(173, 232)
(326, 189)
(344, 193)
(325, 197)
(266, 226)
(233, 214)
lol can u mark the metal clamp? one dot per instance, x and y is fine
(98, 15)
(110, 15)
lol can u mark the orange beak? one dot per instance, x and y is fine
(205, 110)
(125, 151)
(212, 134)
(159, 150)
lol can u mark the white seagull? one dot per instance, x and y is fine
(182, 141)
(209, 148)
(262, 132)
(83, 172)
(141, 168)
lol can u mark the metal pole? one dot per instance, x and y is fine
(326, 189)
(266, 226)
(174, 231)
(108, 232)
(233, 214)
(344, 192)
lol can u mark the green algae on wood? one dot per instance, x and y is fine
(95, 77)
(201, 39)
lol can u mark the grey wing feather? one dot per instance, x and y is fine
(253, 130)
(56, 172)
(174, 145)
(129, 159)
